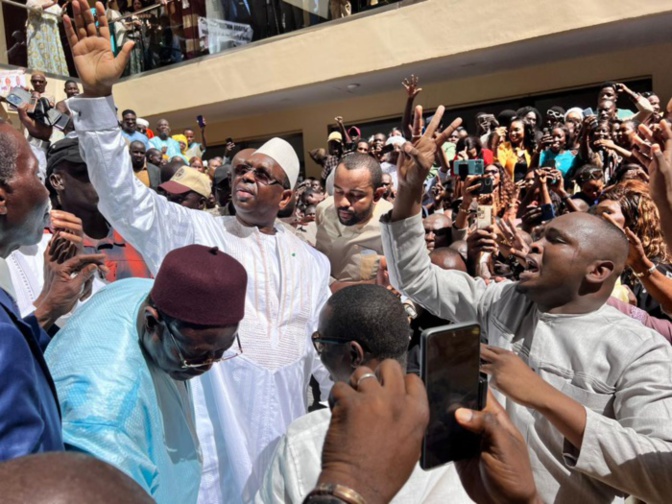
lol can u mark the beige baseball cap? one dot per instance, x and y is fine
(188, 179)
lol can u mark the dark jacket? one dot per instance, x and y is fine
(154, 173)
(30, 418)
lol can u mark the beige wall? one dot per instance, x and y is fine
(314, 120)
(392, 39)
(421, 32)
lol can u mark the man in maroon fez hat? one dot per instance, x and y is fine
(122, 363)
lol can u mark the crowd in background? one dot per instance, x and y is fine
(221, 330)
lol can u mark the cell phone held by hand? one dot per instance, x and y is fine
(484, 216)
(450, 368)
(468, 167)
(200, 121)
(18, 96)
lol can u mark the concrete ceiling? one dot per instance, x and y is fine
(622, 35)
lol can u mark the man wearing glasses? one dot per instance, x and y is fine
(122, 365)
(361, 325)
(242, 406)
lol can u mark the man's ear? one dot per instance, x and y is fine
(287, 196)
(599, 271)
(56, 181)
(356, 354)
(378, 193)
(3, 200)
(201, 202)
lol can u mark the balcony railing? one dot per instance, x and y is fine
(164, 35)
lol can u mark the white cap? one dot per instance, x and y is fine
(282, 153)
(575, 110)
(395, 140)
(142, 122)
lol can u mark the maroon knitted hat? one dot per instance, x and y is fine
(201, 285)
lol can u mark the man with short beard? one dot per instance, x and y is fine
(348, 231)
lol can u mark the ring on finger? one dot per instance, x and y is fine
(364, 377)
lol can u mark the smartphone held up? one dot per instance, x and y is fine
(450, 369)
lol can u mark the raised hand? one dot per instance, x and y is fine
(660, 167)
(411, 86)
(416, 160)
(96, 65)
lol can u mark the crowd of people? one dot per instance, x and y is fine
(169, 31)
(222, 331)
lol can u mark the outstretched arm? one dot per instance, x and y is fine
(148, 221)
(412, 90)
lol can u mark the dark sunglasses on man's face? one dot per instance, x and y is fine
(260, 174)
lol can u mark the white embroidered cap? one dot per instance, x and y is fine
(282, 153)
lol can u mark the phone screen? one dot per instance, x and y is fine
(450, 370)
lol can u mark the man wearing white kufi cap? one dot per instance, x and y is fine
(243, 405)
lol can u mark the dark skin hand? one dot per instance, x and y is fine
(64, 285)
(502, 472)
(361, 458)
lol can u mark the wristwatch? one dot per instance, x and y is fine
(340, 492)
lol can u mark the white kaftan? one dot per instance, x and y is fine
(245, 404)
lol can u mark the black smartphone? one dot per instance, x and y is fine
(450, 368)
(486, 185)
(519, 172)
(200, 121)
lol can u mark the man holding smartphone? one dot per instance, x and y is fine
(588, 387)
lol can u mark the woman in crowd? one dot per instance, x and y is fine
(590, 181)
(597, 147)
(518, 147)
(557, 151)
(135, 31)
(45, 51)
(629, 206)
(471, 147)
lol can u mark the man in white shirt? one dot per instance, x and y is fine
(243, 408)
(360, 325)
(588, 387)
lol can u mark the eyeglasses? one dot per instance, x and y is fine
(184, 364)
(595, 174)
(260, 175)
(554, 114)
(319, 343)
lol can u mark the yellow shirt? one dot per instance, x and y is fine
(508, 156)
(143, 175)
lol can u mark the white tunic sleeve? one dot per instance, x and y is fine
(152, 224)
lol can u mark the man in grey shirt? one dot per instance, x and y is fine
(589, 388)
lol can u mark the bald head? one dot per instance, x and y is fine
(598, 238)
(66, 478)
(448, 259)
(437, 231)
